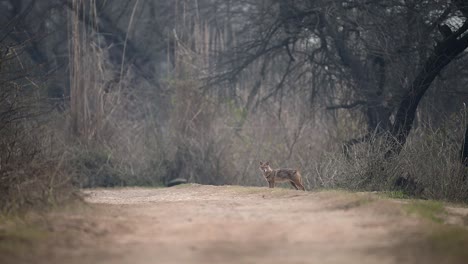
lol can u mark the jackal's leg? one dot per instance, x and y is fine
(298, 181)
(301, 187)
(294, 185)
(270, 184)
(299, 184)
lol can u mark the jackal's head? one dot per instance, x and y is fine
(265, 167)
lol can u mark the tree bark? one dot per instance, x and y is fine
(444, 53)
(464, 149)
(371, 86)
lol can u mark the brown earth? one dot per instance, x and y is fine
(232, 224)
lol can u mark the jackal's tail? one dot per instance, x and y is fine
(299, 179)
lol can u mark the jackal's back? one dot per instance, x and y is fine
(285, 174)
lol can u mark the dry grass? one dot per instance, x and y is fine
(428, 167)
(32, 156)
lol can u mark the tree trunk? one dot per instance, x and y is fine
(464, 149)
(371, 81)
(444, 53)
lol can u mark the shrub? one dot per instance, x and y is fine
(428, 167)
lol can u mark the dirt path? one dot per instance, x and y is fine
(207, 224)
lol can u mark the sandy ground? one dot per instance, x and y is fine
(231, 224)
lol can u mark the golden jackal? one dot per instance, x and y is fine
(281, 175)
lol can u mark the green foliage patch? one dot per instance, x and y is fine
(431, 210)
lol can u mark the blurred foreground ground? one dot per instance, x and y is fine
(232, 224)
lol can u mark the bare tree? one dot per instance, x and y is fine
(382, 56)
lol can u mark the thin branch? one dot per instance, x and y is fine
(346, 106)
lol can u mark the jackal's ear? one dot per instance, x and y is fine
(261, 163)
(267, 163)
